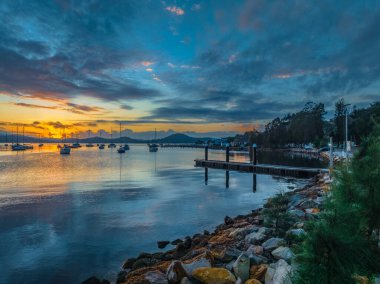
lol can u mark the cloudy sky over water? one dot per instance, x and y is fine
(187, 66)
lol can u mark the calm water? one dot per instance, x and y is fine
(65, 218)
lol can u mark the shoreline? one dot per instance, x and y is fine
(240, 249)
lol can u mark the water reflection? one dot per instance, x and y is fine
(63, 218)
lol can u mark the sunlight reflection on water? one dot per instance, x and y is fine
(64, 218)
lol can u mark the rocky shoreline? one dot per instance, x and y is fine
(243, 249)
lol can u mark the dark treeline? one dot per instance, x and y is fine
(310, 126)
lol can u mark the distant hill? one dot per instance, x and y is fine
(180, 138)
(173, 138)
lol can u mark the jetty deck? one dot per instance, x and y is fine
(299, 172)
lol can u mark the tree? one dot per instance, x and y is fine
(343, 242)
(339, 119)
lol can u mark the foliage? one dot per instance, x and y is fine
(309, 126)
(276, 215)
(343, 242)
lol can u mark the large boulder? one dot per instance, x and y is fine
(162, 244)
(255, 249)
(208, 275)
(228, 254)
(296, 232)
(283, 253)
(203, 260)
(175, 272)
(156, 277)
(258, 271)
(273, 243)
(252, 281)
(240, 233)
(241, 267)
(282, 274)
(256, 237)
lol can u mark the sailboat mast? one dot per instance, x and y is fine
(23, 134)
(120, 132)
(17, 134)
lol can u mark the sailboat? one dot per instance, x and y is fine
(76, 144)
(89, 144)
(40, 145)
(111, 145)
(121, 148)
(6, 140)
(19, 147)
(66, 149)
(153, 147)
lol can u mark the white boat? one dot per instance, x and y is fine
(153, 147)
(121, 148)
(18, 147)
(126, 147)
(65, 150)
(75, 145)
(101, 146)
(112, 145)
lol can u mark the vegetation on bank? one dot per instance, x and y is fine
(342, 245)
(310, 126)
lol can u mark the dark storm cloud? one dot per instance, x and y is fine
(235, 61)
(79, 43)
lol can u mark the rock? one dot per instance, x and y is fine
(209, 275)
(297, 213)
(240, 233)
(95, 280)
(121, 276)
(295, 200)
(129, 263)
(185, 280)
(258, 271)
(187, 243)
(206, 233)
(296, 232)
(257, 259)
(228, 254)
(312, 210)
(241, 267)
(283, 253)
(254, 238)
(175, 272)
(255, 249)
(143, 262)
(282, 274)
(156, 277)
(176, 242)
(269, 276)
(252, 281)
(162, 244)
(202, 260)
(273, 243)
(228, 220)
(309, 204)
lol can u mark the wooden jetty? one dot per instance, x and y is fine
(279, 170)
(254, 167)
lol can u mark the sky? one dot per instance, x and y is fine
(207, 68)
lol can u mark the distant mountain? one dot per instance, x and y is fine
(173, 138)
(180, 138)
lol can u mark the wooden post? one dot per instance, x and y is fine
(227, 154)
(206, 176)
(227, 179)
(250, 153)
(254, 182)
(331, 156)
(254, 154)
(206, 153)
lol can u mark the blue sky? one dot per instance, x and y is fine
(198, 66)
